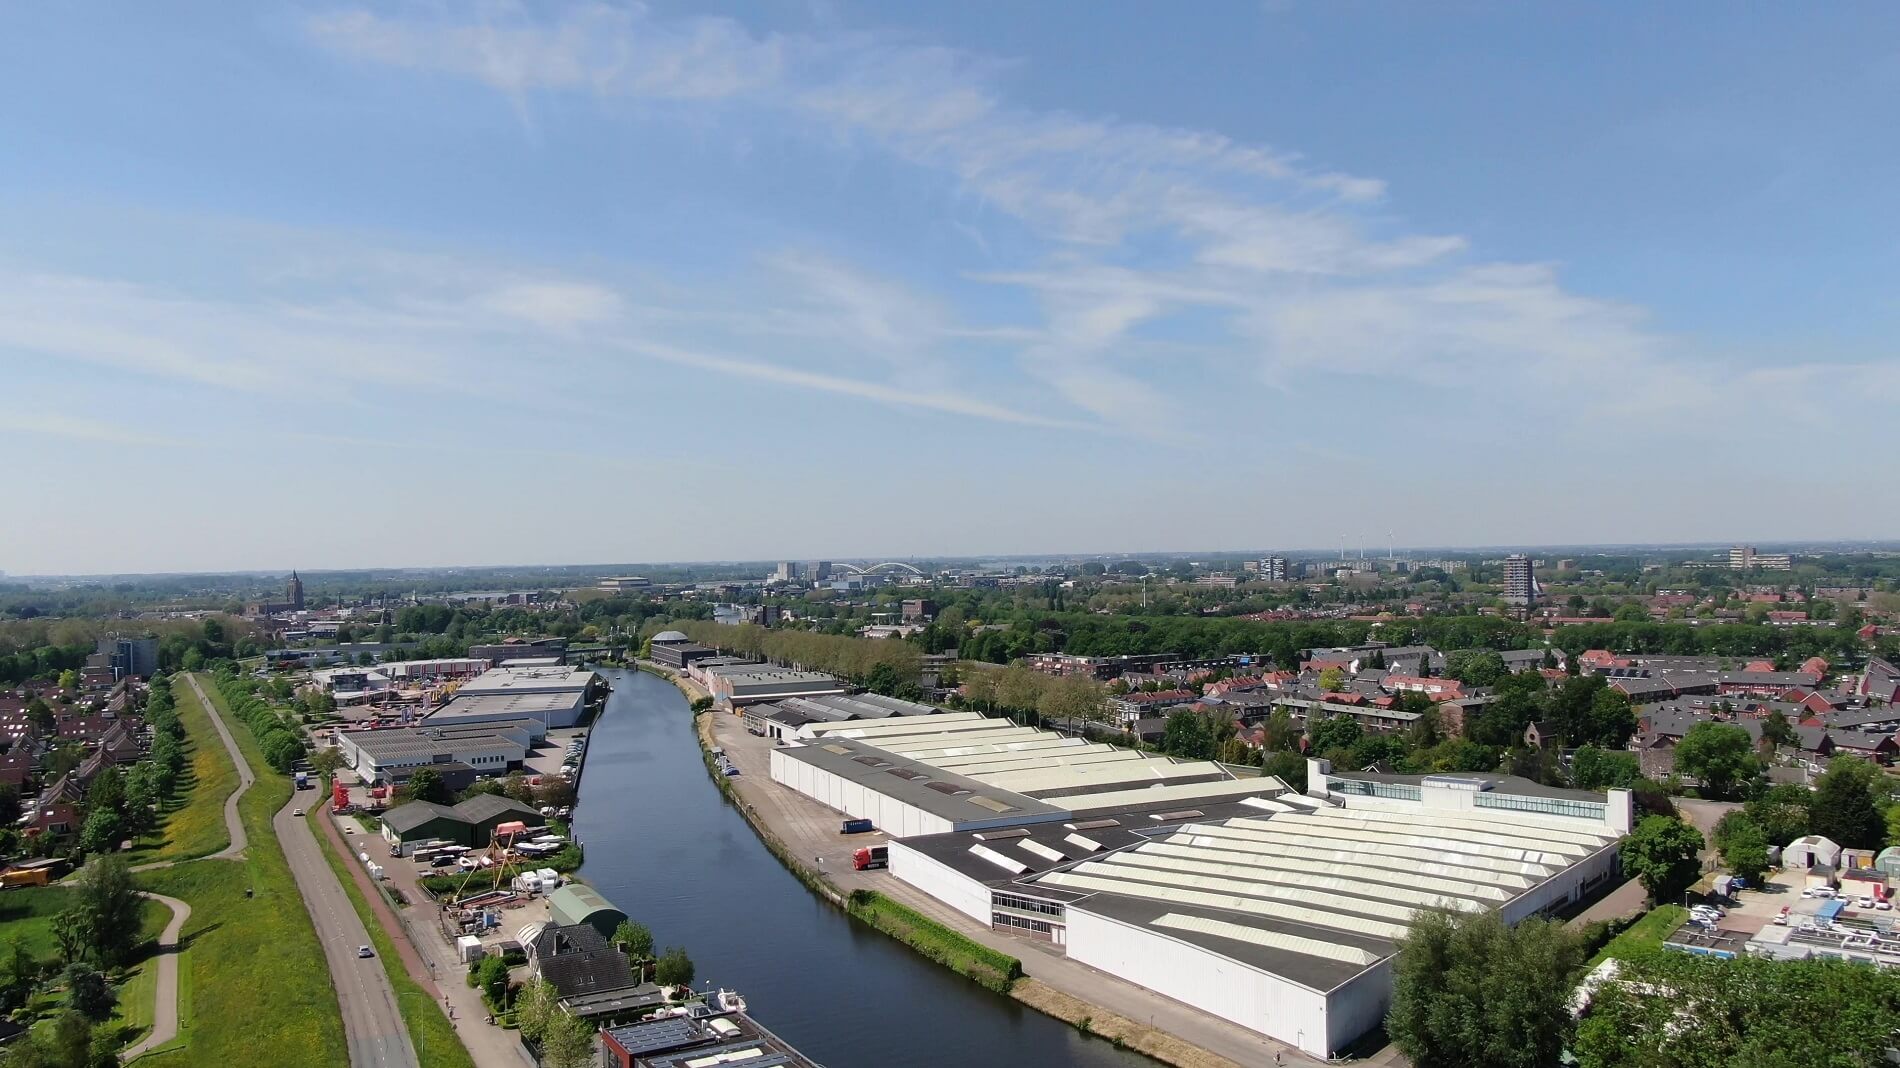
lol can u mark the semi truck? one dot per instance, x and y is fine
(303, 780)
(871, 857)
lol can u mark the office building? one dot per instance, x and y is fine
(676, 650)
(130, 657)
(786, 571)
(1520, 586)
(1745, 558)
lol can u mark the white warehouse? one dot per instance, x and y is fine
(1280, 913)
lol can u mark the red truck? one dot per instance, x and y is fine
(871, 857)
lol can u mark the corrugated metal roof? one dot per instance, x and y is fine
(1311, 947)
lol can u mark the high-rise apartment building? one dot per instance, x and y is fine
(1520, 587)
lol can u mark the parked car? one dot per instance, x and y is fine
(1823, 891)
(1866, 902)
(1883, 905)
(1781, 918)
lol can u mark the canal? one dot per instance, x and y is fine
(665, 846)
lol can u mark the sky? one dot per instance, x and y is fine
(437, 284)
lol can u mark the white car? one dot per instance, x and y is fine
(1823, 891)
(1883, 905)
(1865, 902)
(1807, 891)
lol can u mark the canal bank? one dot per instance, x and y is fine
(666, 846)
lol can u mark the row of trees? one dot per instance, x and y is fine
(125, 805)
(280, 740)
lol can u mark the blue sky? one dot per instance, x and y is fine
(435, 284)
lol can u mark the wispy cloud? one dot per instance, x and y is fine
(79, 428)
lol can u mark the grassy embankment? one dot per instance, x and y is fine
(193, 822)
(437, 1045)
(252, 982)
(1645, 934)
(961, 954)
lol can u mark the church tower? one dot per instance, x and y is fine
(294, 593)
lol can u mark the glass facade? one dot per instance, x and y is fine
(1360, 788)
(1026, 904)
(1543, 806)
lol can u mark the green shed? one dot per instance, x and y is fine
(579, 903)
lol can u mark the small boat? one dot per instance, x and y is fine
(730, 1000)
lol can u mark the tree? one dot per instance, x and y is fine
(1743, 846)
(634, 939)
(1745, 1011)
(87, 992)
(1844, 807)
(1288, 767)
(980, 687)
(1468, 990)
(1073, 699)
(1720, 755)
(491, 978)
(1188, 735)
(1476, 667)
(69, 679)
(1781, 813)
(1330, 679)
(1594, 769)
(537, 1006)
(106, 911)
(425, 784)
(1336, 732)
(102, 832)
(675, 968)
(567, 1043)
(1664, 853)
(1776, 730)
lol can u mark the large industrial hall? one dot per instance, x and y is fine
(1277, 910)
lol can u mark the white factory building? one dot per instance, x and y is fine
(1278, 911)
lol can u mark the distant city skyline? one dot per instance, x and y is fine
(331, 284)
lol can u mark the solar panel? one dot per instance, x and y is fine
(996, 836)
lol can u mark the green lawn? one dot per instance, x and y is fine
(27, 913)
(437, 1045)
(1646, 933)
(254, 988)
(194, 822)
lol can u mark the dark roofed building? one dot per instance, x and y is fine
(705, 1036)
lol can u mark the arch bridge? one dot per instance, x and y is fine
(888, 565)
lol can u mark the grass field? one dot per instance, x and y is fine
(27, 913)
(1646, 933)
(193, 824)
(437, 1045)
(253, 985)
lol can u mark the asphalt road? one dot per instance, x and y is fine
(372, 1024)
